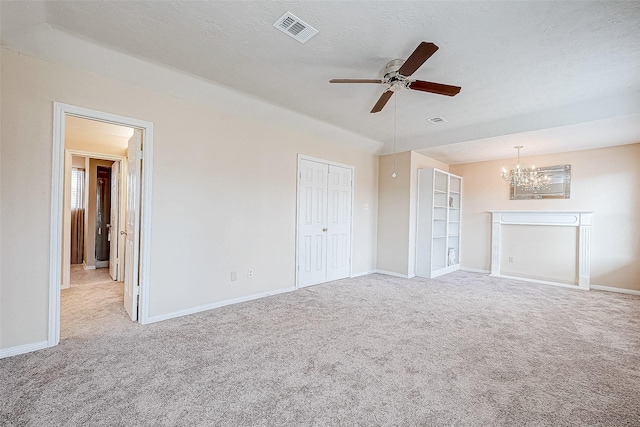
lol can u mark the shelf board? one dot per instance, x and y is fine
(439, 191)
(457, 209)
(454, 221)
(439, 219)
(454, 235)
(438, 206)
(455, 192)
(439, 237)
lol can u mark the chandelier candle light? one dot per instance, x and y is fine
(529, 179)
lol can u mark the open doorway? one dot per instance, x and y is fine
(100, 212)
(94, 208)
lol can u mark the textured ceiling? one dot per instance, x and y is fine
(523, 66)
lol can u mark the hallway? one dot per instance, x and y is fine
(79, 276)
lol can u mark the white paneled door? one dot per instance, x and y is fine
(114, 222)
(132, 226)
(324, 222)
(339, 223)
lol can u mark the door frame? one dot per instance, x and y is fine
(66, 228)
(60, 111)
(353, 183)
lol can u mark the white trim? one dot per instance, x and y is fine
(353, 196)
(60, 111)
(475, 270)
(88, 267)
(444, 270)
(22, 349)
(206, 307)
(318, 160)
(364, 273)
(612, 289)
(542, 282)
(391, 273)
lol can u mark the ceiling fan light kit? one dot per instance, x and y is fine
(397, 76)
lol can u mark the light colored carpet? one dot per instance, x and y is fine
(79, 276)
(463, 349)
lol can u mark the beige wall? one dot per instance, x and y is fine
(77, 162)
(397, 210)
(95, 142)
(606, 181)
(555, 248)
(393, 213)
(224, 192)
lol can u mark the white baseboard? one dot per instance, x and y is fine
(366, 273)
(475, 270)
(88, 267)
(542, 282)
(211, 306)
(21, 349)
(391, 273)
(612, 289)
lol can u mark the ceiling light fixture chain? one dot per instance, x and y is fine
(395, 123)
(530, 179)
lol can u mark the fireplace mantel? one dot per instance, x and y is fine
(580, 219)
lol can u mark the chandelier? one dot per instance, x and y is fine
(529, 179)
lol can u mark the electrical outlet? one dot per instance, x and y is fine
(510, 259)
(250, 273)
(234, 276)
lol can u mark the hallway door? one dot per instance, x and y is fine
(114, 223)
(132, 232)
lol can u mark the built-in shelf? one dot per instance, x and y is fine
(438, 230)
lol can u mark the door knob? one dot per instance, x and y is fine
(325, 229)
(123, 232)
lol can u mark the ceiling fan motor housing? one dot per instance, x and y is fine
(391, 71)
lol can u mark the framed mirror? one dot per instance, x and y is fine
(559, 187)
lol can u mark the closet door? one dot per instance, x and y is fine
(325, 193)
(312, 223)
(339, 223)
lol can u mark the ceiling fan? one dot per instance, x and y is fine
(397, 76)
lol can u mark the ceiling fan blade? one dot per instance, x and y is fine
(417, 58)
(382, 101)
(438, 88)
(355, 81)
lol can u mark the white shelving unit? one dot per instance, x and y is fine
(438, 227)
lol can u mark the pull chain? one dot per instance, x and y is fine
(395, 122)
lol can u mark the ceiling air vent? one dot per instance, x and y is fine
(295, 27)
(437, 120)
